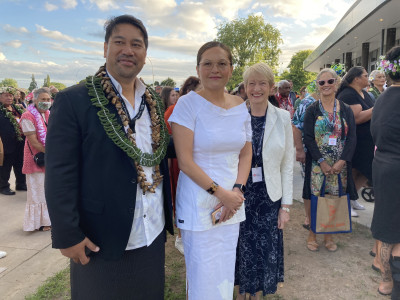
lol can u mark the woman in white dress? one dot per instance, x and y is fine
(212, 136)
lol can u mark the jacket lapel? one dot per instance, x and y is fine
(270, 122)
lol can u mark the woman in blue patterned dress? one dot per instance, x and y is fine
(330, 139)
(259, 256)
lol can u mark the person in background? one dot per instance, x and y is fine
(212, 137)
(19, 98)
(330, 139)
(298, 137)
(268, 193)
(169, 96)
(13, 142)
(158, 89)
(385, 130)
(303, 93)
(292, 94)
(283, 97)
(351, 92)
(34, 126)
(191, 84)
(377, 81)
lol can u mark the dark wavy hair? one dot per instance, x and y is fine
(110, 25)
(352, 74)
(394, 54)
(213, 44)
(190, 84)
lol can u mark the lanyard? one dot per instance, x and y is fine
(331, 124)
(257, 152)
(141, 108)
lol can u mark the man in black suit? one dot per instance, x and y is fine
(107, 183)
(13, 142)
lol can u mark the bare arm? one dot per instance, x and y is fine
(298, 143)
(183, 139)
(361, 116)
(33, 141)
(245, 157)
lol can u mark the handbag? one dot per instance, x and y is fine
(329, 213)
(38, 158)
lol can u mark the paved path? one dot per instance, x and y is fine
(31, 260)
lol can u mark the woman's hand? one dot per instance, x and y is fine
(231, 200)
(326, 169)
(283, 218)
(337, 167)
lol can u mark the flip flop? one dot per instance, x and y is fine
(373, 254)
(306, 226)
(331, 246)
(383, 294)
(312, 246)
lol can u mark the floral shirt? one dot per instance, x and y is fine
(285, 103)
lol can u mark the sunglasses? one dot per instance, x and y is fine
(329, 81)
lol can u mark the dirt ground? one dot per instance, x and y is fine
(344, 274)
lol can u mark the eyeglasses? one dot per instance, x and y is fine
(329, 81)
(221, 65)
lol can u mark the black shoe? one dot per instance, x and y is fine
(7, 192)
(21, 188)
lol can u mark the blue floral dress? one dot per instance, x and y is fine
(259, 255)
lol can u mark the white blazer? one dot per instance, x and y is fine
(278, 155)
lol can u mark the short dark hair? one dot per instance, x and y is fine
(110, 25)
(213, 44)
(394, 54)
(190, 84)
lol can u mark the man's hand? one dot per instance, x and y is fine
(77, 252)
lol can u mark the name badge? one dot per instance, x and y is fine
(332, 140)
(257, 174)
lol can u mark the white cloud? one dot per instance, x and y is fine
(11, 29)
(58, 47)
(105, 5)
(2, 56)
(14, 44)
(50, 7)
(53, 34)
(174, 45)
(69, 4)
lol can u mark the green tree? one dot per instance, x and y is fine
(9, 82)
(168, 82)
(47, 81)
(58, 85)
(297, 74)
(251, 40)
(33, 84)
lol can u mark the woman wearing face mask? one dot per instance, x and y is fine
(34, 126)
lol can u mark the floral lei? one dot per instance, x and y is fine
(388, 66)
(39, 121)
(12, 119)
(102, 93)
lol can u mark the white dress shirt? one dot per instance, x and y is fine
(149, 219)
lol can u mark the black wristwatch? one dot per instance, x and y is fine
(241, 187)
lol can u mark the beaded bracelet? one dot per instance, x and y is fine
(213, 188)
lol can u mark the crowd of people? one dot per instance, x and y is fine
(125, 163)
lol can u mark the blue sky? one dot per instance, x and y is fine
(64, 38)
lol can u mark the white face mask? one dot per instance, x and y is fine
(44, 105)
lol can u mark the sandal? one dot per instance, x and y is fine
(384, 294)
(312, 245)
(330, 246)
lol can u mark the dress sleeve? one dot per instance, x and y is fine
(348, 97)
(184, 113)
(249, 132)
(27, 126)
(309, 133)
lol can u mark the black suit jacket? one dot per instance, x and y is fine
(7, 135)
(90, 182)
